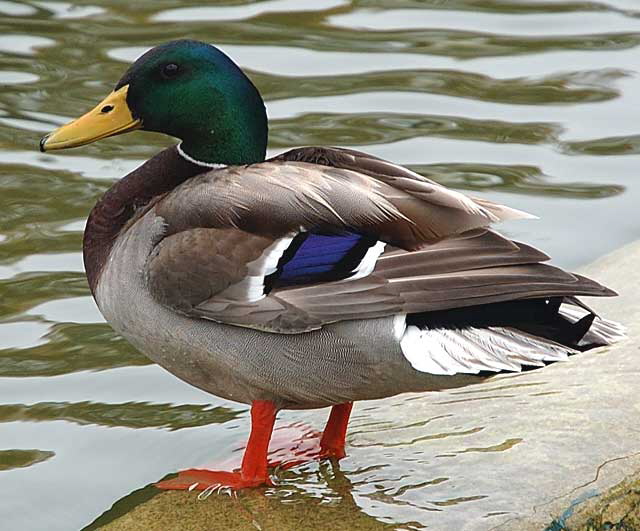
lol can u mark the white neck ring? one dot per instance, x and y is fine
(188, 157)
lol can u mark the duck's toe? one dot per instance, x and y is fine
(211, 480)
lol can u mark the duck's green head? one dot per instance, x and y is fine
(186, 89)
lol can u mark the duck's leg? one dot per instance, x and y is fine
(253, 471)
(310, 444)
(333, 436)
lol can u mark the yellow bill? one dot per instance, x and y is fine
(111, 116)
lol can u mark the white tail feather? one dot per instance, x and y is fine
(471, 350)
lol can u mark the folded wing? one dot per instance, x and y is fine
(289, 247)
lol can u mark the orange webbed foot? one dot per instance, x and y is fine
(201, 479)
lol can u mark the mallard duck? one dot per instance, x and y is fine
(316, 278)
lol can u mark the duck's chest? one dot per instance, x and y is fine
(192, 349)
(121, 292)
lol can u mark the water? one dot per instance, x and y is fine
(530, 103)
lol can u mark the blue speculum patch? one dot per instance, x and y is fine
(315, 257)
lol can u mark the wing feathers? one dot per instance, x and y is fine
(189, 266)
(402, 178)
(351, 300)
(273, 199)
(230, 253)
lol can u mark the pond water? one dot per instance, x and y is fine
(531, 103)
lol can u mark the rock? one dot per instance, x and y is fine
(249, 510)
(618, 508)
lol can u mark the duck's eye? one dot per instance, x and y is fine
(170, 70)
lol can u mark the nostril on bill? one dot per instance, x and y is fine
(106, 109)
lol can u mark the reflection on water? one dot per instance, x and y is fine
(530, 103)
(22, 458)
(129, 415)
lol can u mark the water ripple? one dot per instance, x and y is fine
(127, 415)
